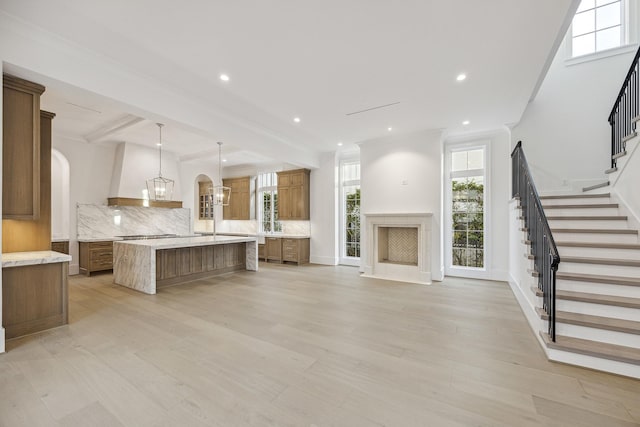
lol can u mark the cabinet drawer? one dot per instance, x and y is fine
(101, 254)
(289, 244)
(101, 245)
(101, 264)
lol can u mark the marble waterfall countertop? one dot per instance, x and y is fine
(281, 235)
(134, 261)
(19, 259)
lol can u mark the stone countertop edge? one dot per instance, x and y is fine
(184, 242)
(20, 259)
(100, 239)
(283, 236)
(60, 239)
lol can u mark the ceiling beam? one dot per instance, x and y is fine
(113, 128)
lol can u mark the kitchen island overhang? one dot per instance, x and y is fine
(146, 265)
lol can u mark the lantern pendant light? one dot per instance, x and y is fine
(160, 188)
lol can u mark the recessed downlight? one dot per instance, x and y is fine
(159, 144)
(224, 77)
(389, 128)
(339, 144)
(466, 122)
(224, 160)
(461, 77)
(296, 119)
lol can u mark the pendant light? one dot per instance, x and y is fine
(221, 194)
(160, 188)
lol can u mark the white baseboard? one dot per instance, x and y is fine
(1, 339)
(323, 260)
(533, 318)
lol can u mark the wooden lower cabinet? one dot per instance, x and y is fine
(262, 251)
(62, 247)
(295, 250)
(273, 249)
(96, 256)
(34, 298)
(175, 266)
(286, 249)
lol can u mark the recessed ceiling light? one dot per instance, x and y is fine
(466, 122)
(159, 144)
(339, 144)
(296, 119)
(224, 160)
(224, 77)
(389, 128)
(461, 77)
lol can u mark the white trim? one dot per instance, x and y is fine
(449, 269)
(620, 50)
(323, 260)
(342, 258)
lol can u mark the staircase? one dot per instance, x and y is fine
(598, 279)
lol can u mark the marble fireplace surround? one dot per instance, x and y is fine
(420, 273)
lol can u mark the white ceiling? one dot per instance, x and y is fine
(316, 60)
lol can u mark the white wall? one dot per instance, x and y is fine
(403, 174)
(564, 130)
(90, 169)
(324, 211)
(1, 134)
(138, 164)
(59, 196)
(498, 191)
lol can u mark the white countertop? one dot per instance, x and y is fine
(19, 259)
(60, 239)
(184, 242)
(284, 236)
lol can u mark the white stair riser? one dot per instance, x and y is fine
(599, 288)
(582, 212)
(595, 237)
(599, 252)
(599, 269)
(581, 201)
(602, 335)
(598, 310)
(591, 224)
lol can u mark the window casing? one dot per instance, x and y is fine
(598, 25)
(268, 203)
(467, 216)
(350, 212)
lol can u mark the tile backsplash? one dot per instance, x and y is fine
(99, 221)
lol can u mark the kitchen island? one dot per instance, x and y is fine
(146, 265)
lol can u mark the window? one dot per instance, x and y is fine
(467, 208)
(350, 207)
(268, 203)
(597, 25)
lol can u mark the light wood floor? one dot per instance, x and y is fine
(300, 346)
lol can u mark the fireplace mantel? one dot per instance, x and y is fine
(420, 273)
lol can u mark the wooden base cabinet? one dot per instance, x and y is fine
(62, 247)
(34, 298)
(96, 256)
(295, 250)
(285, 249)
(174, 266)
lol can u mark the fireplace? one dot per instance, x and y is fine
(398, 247)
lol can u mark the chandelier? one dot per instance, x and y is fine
(160, 188)
(221, 194)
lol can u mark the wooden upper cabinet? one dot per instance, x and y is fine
(20, 148)
(293, 195)
(241, 205)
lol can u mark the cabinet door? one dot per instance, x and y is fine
(274, 248)
(284, 203)
(21, 149)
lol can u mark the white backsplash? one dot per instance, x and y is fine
(99, 221)
(301, 228)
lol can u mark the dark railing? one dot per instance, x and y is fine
(625, 109)
(543, 247)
